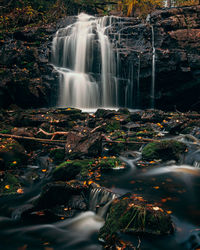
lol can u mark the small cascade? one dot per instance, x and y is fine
(100, 199)
(84, 58)
(153, 69)
(138, 80)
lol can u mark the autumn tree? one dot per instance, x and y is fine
(141, 7)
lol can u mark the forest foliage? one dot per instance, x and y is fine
(33, 12)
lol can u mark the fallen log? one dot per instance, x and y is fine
(144, 140)
(33, 139)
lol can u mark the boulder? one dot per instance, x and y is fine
(164, 150)
(12, 154)
(131, 214)
(60, 193)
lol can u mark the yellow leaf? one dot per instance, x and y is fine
(169, 212)
(7, 186)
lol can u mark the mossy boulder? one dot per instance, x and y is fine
(68, 170)
(57, 154)
(112, 125)
(105, 113)
(131, 214)
(9, 184)
(11, 153)
(164, 150)
(124, 111)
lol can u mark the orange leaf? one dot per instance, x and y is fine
(7, 186)
(20, 191)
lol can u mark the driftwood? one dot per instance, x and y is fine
(95, 129)
(52, 134)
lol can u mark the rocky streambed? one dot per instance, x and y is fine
(110, 179)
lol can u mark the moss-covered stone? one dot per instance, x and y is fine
(11, 153)
(124, 111)
(131, 214)
(164, 150)
(57, 155)
(112, 125)
(9, 185)
(70, 169)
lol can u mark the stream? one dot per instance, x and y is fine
(174, 187)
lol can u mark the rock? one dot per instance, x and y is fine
(60, 193)
(70, 169)
(12, 154)
(57, 154)
(124, 111)
(78, 145)
(9, 184)
(112, 125)
(107, 114)
(131, 214)
(165, 150)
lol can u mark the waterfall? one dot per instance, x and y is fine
(138, 79)
(153, 69)
(100, 199)
(84, 58)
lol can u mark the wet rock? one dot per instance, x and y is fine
(112, 125)
(68, 170)
(124, 111)
(106, 114)
(78, 145)
(153, 116)
(165, 150)
(12, 153)
(131, 214)
(57, 154)
(9, 184)
(60, 193)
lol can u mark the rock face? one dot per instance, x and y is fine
(177, 58)
(28, 80)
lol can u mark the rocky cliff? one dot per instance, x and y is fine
(29, 81)
(177, 57)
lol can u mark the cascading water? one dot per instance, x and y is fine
(100, 199)
(153, 68)
(84, 58)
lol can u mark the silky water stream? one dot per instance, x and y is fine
(174, 187)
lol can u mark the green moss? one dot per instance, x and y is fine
(109, 163)
(130, 215)
(57, 155)
(10, 184)
(165, 150)
(113, 125)
(5, 131)
(70, 169)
